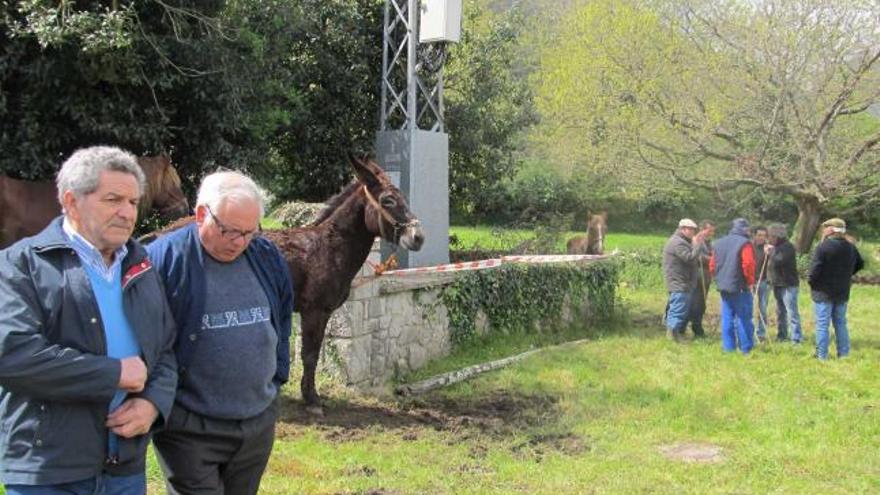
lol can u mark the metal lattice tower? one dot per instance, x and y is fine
(412, 74)
(411, 144)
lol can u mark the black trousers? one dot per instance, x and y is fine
(698, 308)
(202, 455)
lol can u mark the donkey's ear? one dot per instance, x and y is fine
(367, 171)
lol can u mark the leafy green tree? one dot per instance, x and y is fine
(488, 104)
(728, 96)
(282, 88)
(150, 76)
(334, 56)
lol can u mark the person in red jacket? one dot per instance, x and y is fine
(733, 265)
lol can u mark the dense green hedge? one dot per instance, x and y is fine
(515, 296)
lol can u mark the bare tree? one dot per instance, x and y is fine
(730, 94)
(794, 81)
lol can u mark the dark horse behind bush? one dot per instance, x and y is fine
(26, 207)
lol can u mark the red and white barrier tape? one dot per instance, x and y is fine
(494, 262)
(451, 267)
(550, 258)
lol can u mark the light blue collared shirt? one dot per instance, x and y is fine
(90, 255)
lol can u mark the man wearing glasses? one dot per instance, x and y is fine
(232, 298)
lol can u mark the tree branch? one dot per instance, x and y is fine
(857, 109)
(869, 144)
(845, 93)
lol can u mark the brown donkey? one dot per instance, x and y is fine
(325, 256)
(594, 241)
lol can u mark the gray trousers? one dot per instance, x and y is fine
(201, 455)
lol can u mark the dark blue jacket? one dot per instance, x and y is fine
(56, 381)
(835, 261)
(729, 275)
(179, 259)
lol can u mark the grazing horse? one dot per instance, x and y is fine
(324, 257)
(26, 207)
(594, 241)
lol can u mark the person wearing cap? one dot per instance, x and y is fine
(704, 280)
(733, 265)
(783, 277)
(835, 261)
(680, 256)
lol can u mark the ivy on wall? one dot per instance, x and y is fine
(515, 296)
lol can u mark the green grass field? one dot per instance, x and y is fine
(494, 238)
(597, 417)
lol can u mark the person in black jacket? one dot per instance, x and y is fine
(783, 276)
(835, 261)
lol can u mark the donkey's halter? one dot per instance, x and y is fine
(383, 213)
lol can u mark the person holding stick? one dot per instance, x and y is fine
(761, 292)
(733, 265)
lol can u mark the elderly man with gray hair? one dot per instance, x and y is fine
(86, 340)
(232, 298)
(783, 277)
(835, 261)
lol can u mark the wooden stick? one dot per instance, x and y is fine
(755, 295)
(463, 374)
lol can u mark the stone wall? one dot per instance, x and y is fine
(392, 325)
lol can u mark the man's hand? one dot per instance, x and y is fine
(132, 418)
(767, 248)
(133, 374)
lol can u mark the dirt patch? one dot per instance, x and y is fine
(472, 469)
(497, 414)
(538, 446)
(701, 453)
(365, 471)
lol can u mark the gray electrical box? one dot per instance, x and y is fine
(440, 20)
(418, 163)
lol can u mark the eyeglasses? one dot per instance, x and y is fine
(234, 234)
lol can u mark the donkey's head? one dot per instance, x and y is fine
(596, 229)
(387, 212)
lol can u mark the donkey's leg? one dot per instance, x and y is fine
(314, 323)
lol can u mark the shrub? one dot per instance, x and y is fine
(297, 214)
(642, 268)
(514, 297)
